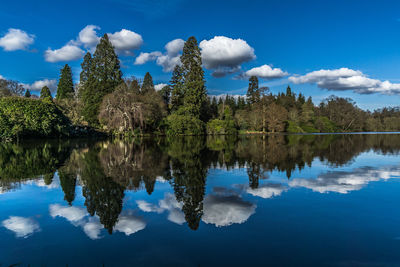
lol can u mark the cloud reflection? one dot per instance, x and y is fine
(21, 226)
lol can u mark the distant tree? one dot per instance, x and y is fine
(45, 93)
(104, 76)
(27, 93)
(133, 85)
(253, 93)
(65, 88)
(165, 93)
(148, 85)
(9, 88)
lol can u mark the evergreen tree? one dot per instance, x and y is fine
(195, 93)
(253, 93)
(148, 85)
(45, 93)
(133, 86)
(177, 88)
(65, 88)
(103, 77)
(27, 93)
(165, 93)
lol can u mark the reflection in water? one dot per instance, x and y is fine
(22, 227)
(106, 169)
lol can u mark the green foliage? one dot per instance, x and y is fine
(30, 117)
(148, 85)
(45, 93)
(324, 125)
(293, 127)
(65, 88)
(253, 93)
(103, 77)
(181, 124)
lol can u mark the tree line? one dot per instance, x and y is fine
(105, 101)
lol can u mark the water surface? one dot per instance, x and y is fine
(293, 200)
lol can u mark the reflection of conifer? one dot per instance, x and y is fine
(68, 183)
(48, 178)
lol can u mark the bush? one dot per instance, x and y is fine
(325, 125)
(30, 117)
(184, 125)
(218, 126)
(293, 127)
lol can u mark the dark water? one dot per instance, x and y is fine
(295, 200)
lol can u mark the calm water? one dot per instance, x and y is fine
(279, 200)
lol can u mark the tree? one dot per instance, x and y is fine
(85, 73)
(276, 117)
(148, 85)
(27, 93)
(195, 93)
(104, 76)
(9, 88)
(177, 92)
(253, 93)
(65, 88)
(45, 93)
(165, 93)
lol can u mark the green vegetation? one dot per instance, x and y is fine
(105, 102)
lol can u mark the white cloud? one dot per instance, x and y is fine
(347, 79)
(129, 224)
(168, 60)
(92, 228)
(266, 72)
(345, 182)
(2, 77)
(22, 227)
(226, 210)
(267, 190)
(146, 57)
(160, 86)
(224, 55)
(38, 85)
(16, 39)
(169, 204)
(125, 41)
(72, 214)
(68, 52)
(88, 36)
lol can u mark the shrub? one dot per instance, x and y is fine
(30, 117)
(184, 125)
(218, 126)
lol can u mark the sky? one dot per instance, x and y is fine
(347, 48)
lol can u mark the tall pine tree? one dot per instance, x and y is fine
(253, 94)
(65, 88)
(177, 88)
(27, 93)
(102, 77)
(195, 94)
(148, 85)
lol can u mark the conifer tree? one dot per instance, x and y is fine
(253, 94)
(65, 88)
(195, 93)
(148, 85)
(177, 88)
(102, 77)
(45, 93)
(27, 93)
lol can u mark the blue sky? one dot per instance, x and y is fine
(356, 44)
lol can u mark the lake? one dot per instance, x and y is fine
(287, 200)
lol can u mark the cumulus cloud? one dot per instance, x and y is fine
(345, 182)
(129, 224)
(2, 77)
(169, 204)
(222, 210)
(21, 226)
(78, 217)
(146, 57)
(16, 39)
(266, 72)
(224, 55)
(38, 85)
(88, 36)
(267, 190)
(68, 52)
(347, 79)
(125, 41)
(160, 86)
(167, 60)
